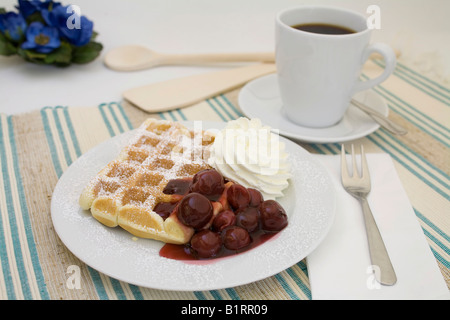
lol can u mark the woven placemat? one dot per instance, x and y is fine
(37, 147)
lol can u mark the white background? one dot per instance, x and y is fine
(419, 28)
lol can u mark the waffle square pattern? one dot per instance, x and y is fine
(125, 192)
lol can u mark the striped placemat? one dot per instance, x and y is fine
(37, 147)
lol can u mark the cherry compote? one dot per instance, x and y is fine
(206, 243)
(242, 221)
(164, 209)
(178, 186)
(273, 216)
(223, 219)
(238, 196)
(195, 210)
(209, 183)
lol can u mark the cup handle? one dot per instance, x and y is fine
(390, 61)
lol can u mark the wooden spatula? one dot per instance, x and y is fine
(182, 92)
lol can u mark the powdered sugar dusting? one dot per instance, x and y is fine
(158, 152)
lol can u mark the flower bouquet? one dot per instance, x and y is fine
(46, 32)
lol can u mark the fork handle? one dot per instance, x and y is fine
(377, 249)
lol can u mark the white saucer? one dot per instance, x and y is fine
(260, 98)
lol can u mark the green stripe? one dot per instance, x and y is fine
(181, 114)
(6, 268)
(98, 283)
(72, 132)
(419, 123)
(61, 136)
(118, 289)
(216, 294)
(223, 108)
(116, 120)
(124, 116)
(162, 115)
(50, 142)
(432, 225)
(440, 258)
(232, 293)
(410, 169)
(409, 108)
(402, 75)
(432, 82)
(215, 109)
(408, 154)
(286, 287)
(105, 120)
(25, 216)
(438, 243)
(232, 106)
(12, 220)
(199, 295)
(172, 115)
(136, 292)
(299, 282)
(427, 166)
(303, 266)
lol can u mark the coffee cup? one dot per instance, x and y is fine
(319, 54)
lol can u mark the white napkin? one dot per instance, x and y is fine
(340, 267)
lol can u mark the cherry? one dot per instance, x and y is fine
(195, 210)
(224, 219)
(273, 216)
(238, 196)
(255, 197)
(235, 238)
(206, 243)
(209, 183)
(177, 186)
(164, 209)
(248, 219)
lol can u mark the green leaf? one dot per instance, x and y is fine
(94, 35)
(60, 56)
(6, 47)
(35, 17)
(86, 53)
(31, 56)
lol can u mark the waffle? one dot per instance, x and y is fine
(125, 192)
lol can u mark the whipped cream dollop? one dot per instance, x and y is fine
(252, 155)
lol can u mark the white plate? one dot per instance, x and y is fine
(260, 98)
(309, 203)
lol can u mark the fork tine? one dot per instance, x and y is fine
(344, 169)
(364, 165)
(354, 165)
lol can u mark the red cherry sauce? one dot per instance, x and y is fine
(183, 252)
(164, 209)
(178, 186)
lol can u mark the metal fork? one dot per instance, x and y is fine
(359, 187)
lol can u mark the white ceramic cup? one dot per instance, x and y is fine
(318, 73)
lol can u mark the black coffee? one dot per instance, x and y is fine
(323, 28)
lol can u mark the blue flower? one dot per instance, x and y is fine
(42, 39)
(12, 25)
(28, 7)
(75, 28)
